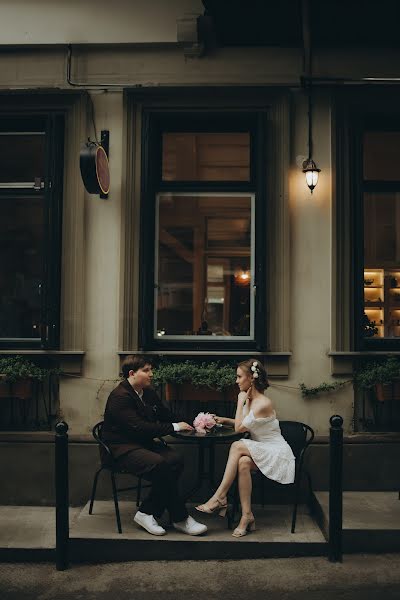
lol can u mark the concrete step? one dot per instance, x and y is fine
(371, 520)
(95, 537)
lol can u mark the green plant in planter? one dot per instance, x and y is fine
(215, 375)
(17, 368)
(371, 373)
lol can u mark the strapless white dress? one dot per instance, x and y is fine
(268, 448)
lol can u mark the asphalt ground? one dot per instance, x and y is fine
(363, 576)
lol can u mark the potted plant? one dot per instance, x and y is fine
(382, 375)
(189, 384)
(18, 374)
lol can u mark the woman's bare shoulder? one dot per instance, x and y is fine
(265, 407)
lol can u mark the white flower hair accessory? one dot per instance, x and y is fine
(255, 370)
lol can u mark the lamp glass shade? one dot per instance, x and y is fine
(311, 172)
(312, 178)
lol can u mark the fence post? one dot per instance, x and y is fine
(62, 495)
(335, 488)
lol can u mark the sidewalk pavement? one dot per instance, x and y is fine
(361, 576)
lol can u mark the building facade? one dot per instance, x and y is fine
(209, 243)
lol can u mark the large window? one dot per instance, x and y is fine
(381, 217)
(30, 197)
(202, 212)
(204, 266)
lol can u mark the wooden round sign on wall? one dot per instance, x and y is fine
(95, 169)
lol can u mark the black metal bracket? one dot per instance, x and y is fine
(105, 143)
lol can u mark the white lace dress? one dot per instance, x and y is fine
(269, 450)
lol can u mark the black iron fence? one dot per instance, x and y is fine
(29, 405)
(378, 409)
(62, 495)
(335, 488)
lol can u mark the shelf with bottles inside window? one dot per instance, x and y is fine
(381, 303)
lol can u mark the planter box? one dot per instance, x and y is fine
(387, 391)
(20, 389)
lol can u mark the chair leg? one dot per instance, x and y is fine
(296, 501)
(139, 491)
(231, 513)
(262, 492)
(236, 500)
(114, 489)
(94, 490)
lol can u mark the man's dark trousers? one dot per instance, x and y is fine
(162, 466)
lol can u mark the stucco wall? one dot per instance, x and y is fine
(81, 406)
(93, 21)
(83, 399)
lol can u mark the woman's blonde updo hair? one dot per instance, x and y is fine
(256, 370)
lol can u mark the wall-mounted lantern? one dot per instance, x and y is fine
(311, 172)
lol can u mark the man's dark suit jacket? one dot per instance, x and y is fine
(130, 423)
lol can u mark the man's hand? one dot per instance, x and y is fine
(184, 426)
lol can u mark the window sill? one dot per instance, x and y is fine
(342, 362)
(277, 362)
(70, 361)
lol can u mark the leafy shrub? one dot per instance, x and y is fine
(215, 375)
(15, 368)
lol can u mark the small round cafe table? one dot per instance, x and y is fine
(206, 442)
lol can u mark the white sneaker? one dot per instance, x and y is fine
(190, 526)
(149, 523)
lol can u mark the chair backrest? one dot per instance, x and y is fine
(96, 431)
(298, 435)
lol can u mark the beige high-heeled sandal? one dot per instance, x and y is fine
(239, 532)
(221, 508)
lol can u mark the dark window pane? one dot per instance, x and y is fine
(382, 265)
(22, 157)
(382, 155)
(204, 266)
(206, 157)
(21, 266)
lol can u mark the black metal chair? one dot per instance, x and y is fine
(299, 436)
(108, 463)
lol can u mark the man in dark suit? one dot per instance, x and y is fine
(133, 417)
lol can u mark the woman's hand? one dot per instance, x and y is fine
(220, 420)
(247, 397)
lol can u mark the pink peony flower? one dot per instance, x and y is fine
(204, 421)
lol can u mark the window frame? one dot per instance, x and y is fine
(368, 122)
(54, 129)
(154, 123)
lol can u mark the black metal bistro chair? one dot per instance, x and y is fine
(112, 467)
(299, 436)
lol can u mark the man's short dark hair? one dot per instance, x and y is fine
(134, 362)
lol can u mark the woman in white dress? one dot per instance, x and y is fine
(266, 449)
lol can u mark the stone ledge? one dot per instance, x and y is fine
(70, 361)
(342, 362)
